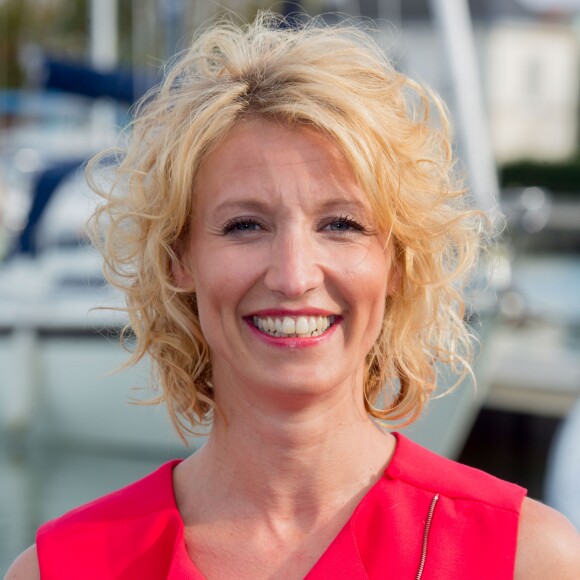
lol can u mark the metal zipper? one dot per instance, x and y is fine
(426, 537)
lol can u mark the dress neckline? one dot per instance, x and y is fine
(184, 566)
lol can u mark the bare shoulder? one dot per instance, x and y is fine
(548, 544)
(25, 567)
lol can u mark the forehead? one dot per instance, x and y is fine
(266, 158)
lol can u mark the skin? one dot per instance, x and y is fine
(302, 239)
(293, 451)
(292, 412)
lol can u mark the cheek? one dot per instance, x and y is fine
(372, 287)
(370, 277)
(222, 281)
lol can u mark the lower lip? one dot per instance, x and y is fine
(294, 342)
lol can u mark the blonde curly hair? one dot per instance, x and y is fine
(395, 135)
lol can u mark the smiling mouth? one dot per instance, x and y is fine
(294, 327)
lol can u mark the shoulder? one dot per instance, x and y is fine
(141, 521)
(427, 470)
(152, 493)
(25, 567)
(548, 544)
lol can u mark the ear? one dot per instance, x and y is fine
(182, 275)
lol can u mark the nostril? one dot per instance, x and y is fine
(293, 279)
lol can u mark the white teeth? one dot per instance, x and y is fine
(302, 326)
(288, 325)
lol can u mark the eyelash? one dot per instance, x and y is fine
(349, 221)
(231, 226)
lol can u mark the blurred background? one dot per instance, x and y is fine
(70, 70)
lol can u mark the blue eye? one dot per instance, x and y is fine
(241, 225)
(340, 226)
(245, 226)
(344, 224)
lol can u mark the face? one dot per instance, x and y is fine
(290, 273)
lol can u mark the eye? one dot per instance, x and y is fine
(241, 225)
(343, 224)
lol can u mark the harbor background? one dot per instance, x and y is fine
(72, 429)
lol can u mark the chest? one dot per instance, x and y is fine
(253, 553)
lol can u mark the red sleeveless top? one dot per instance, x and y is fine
(427, 517)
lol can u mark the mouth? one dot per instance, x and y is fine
(293, 326)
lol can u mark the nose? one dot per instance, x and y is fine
(294, 266)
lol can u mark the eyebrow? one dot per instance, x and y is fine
(259, 205)
(345, 203)
(246, 204)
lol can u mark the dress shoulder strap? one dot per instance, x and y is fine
(130, 533)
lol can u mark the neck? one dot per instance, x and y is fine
(272, 460)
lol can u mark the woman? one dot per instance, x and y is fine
(291, 239)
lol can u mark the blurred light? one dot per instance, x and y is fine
(27, 160)
(533, 198)
(534, 221)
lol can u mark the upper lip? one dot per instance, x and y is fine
(280, 312)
